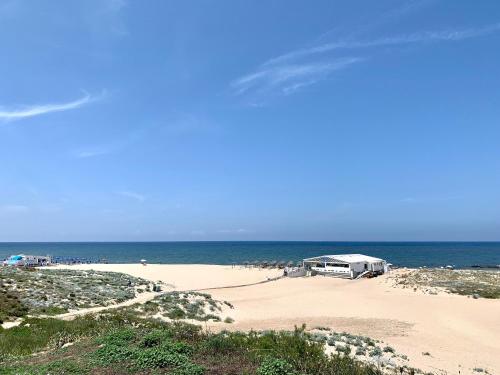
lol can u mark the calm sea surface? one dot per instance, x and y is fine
(411, 254)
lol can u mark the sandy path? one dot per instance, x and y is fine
(141, 298)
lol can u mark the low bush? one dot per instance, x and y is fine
(376, 352)
(10, 306)
(274, 366)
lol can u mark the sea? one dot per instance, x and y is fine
(404, 254)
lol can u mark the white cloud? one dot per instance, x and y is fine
(418, 37)
(37, 110)
(290, 72)
(133, 195)
(289, 78)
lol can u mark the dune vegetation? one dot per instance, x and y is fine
(475, 283)
(120, 342)
(50, 292)
(184, 305)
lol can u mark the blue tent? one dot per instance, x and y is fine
(15, 260)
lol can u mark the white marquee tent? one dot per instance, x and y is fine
(346, 265)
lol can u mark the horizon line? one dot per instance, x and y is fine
(249, 241)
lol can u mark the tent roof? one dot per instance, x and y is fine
(344, 258)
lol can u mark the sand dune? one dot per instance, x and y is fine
(460, 333)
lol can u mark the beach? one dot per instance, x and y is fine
(438, 332)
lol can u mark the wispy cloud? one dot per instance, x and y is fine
(112, 146)
(288, 78)
(133, 195)
(418, 37)
(110, 17)
(36, 110)
(90, 153)
(292, 71)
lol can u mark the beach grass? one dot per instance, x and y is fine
(184, 305)
(52, 292)
(10, 306)
(476, 283)
(120, 342)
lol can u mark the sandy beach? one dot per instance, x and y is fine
(455, 332)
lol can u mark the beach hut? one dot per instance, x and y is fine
(346, 265)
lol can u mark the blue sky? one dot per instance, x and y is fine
(249, 120)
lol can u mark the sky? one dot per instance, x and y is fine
(126, 120)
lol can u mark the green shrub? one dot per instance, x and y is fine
(176, 313)
(345, 349)
(213, 317)
(388, 349)
(318, 337)
(120, 336)
(10, 306)
(360, 351)
(274, 366)
(111, 353)
(224, 343)
(159, 357)
(376, 352)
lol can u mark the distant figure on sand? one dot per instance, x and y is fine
(143, 262)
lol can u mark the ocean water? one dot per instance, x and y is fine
(410, 254)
